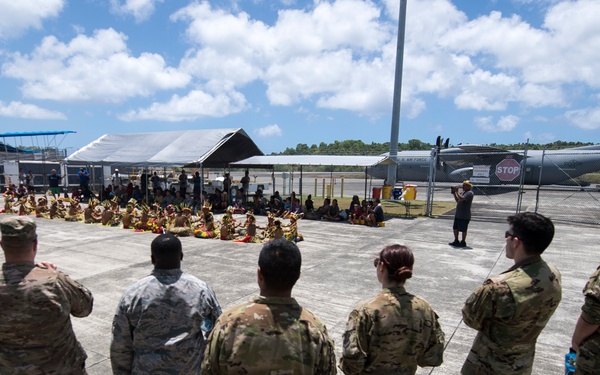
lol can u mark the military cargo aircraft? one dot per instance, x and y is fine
(487, 165)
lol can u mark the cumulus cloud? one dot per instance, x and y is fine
(141, 10)
(196, 104)
(504, 124)
(337, 54)
(486, 91)
(28, 111)
(18, 16)
(322, 53)
(269, 131)
(341, 54)
(97, 68)
(585, 118)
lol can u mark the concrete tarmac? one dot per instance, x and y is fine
(337, 273)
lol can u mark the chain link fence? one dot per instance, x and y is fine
(563, 185)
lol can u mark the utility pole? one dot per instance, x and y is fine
(391, 175)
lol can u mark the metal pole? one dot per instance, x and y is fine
(366, 174)
(391, 175)
(522, 180)
(537, 194)
(431, 182)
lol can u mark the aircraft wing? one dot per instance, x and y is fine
(468, 155)
(481, 149)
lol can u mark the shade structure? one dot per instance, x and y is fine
(304, 160)
(210, 148)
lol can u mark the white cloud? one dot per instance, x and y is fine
(329, 53)
(97, 68)
(18, 16)
(586, 118)
(486, 91)
(269, 131)
(504, 124)
(28, 111)
(336, 54)
(141, 10)
(341, 55)
(196, 104)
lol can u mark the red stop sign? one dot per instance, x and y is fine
(508, 169)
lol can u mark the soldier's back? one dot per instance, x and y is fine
(35, 325)
(268, 335)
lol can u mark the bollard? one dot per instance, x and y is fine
(323, 191)
(332, 187)
(315, 194)
(342, 189)
(328, 189)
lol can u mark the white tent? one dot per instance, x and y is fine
(209, 148)
(270, 161)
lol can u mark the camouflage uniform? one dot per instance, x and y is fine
(588, 356)
(36, 336)
(159, 323)
(269, 335)
(392, 332)
(510, 311)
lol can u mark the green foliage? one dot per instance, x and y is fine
(352, 147)
(358, 147)
(556, 145)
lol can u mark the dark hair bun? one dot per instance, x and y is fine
(403, 273)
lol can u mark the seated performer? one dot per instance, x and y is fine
(182, 225)
(130, 215)
(208, 230)
(90, 214)
(250, 230)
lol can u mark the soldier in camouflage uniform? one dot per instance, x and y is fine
(586, 338)
(272, 334)
(36, 301)
(394, 331)
(162, 320)
(511, 310)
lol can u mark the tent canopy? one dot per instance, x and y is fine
(345, 160)
(210, 148)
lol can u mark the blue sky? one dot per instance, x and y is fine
(290, 71)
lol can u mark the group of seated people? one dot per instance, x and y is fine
(366, 212)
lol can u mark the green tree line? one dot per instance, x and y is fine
(358, 147)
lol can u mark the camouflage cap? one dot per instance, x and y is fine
(19, 228)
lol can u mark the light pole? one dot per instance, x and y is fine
(391, 175)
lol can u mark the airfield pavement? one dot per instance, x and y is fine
(337, 273)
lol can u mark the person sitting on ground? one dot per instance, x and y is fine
(168, 199)
(355, 214)
(178, 199)
(250, 230)
(239, 202)
(309, 204)
(159, 197)
(137, 194)
(376, 214)
(182, 225)
(130, 215)
(418, 338)
(277, 209)
(37, 303)
(91, 214)
(324, 209)
(189, 201)
(162, 320)
(333, 214)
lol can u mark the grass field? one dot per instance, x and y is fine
(397, 208)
